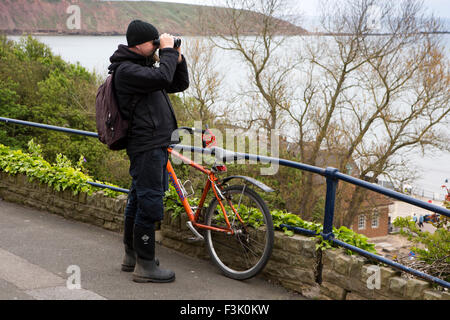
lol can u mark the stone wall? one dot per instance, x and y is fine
(295, 263)
(292, 264)
(95, 209)
(356, 278)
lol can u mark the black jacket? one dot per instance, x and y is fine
(134, 77)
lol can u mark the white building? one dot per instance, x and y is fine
(403, 209)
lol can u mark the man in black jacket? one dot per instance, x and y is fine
(141, 89)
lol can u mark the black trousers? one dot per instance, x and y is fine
(149, 183)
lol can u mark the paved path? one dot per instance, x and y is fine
(37, 249)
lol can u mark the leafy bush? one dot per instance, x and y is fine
(343, 233)
(433, 249)
(38, 86)
(60, 176)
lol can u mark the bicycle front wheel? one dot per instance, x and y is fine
(244, 253)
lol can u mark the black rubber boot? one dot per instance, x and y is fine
(147, 267)
(129, 260)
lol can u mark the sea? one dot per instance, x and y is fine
(93, 53)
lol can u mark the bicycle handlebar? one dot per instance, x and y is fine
(192, 130)
(205, 141)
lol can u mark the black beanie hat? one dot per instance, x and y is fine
(139, 32)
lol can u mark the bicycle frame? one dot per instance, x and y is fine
(210, 184)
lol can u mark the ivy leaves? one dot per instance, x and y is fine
(343, 233)
(60, 176)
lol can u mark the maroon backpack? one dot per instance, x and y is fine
(113, 129)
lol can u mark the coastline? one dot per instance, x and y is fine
(17, 32)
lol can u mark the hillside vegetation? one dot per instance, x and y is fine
(105, 17)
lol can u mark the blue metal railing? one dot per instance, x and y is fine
(332, 176)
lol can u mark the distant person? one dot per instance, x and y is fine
(421, 221)
(415, 218)
(141, 89)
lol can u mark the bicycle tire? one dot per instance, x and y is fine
(244, 254)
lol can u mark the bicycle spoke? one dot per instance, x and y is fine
(240, 198)
(257, 243)
(244, 253)
(245, 249)
(243, 245)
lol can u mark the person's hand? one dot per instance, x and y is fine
(166, 41)
(180, 57)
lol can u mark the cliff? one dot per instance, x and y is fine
(102, 17)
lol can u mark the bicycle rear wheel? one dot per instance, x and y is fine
(245, 253)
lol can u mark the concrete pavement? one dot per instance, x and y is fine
(41, 254)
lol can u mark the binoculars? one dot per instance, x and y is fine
(176, 42)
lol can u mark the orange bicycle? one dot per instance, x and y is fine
(237, 225)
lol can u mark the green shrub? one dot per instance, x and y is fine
(431, 248)
(38, 86)
(60, 176)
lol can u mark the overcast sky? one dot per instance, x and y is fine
(440, 8)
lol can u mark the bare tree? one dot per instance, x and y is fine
(371, 99)
(355, 97)
(251, 29)
(204, 92)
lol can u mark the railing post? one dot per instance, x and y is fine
(332, 182)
